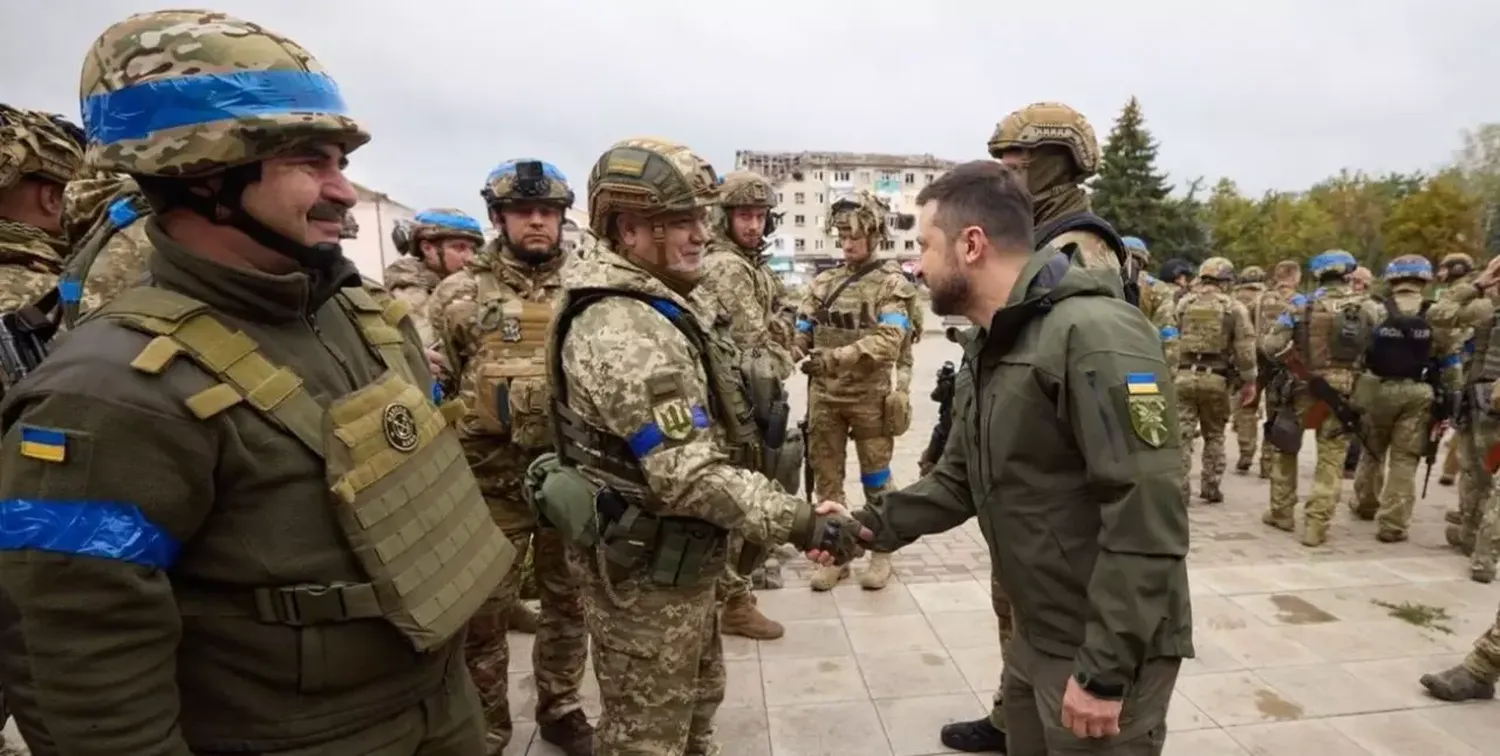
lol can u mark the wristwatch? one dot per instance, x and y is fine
(1098, 688)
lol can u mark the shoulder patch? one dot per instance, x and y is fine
(1148, 409)
(44, 444)
(674, 417)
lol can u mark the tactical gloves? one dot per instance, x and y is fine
(836, 533)
(819, 362)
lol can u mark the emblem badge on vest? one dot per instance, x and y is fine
(510, 329)
(400, 427)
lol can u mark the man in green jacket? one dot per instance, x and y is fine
(1069, 458)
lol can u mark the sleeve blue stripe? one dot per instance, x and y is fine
(70, 289)
(140, 110)
(1452, 360)
(101, 529)
(1299, 300)
(804, 325)
(649, 437)
(1286, 321)
(122, 212)
(1168, 333)
(875, 479)
(668, 308)
(896, 319)
(460, 222)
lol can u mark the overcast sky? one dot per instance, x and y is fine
(1271, 93)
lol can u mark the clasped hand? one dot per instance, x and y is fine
(846, 542)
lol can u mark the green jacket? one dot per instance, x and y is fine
(1065, 447)
(216, 507)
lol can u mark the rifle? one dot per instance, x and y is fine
(1444, 407)
(26, 338)
(807, 469)
(943, 395)
(1328, 399)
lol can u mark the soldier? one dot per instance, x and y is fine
(1154, 293)
(490, 320)
(1319, 338)
(107, 213)
(1405, 358)
(853, 325)
(436, 244)
(654, 434)
(252, 432)
(1216, 352)
(1470, 307)
(1360, 283)
(39, 153)
(1054, 148)
(1455, 268)
(1248, 289)
(1475, 676)
(1286, 277)
(750, 300)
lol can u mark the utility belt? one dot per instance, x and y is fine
(303, 605)
(674, 551)
(1197, 367)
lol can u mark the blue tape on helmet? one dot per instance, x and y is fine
(1133, 242)
(1334, 258)
(140, 110)
(458, 222)
(508, 167)
(1408, 268)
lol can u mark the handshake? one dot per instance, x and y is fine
(837, 538)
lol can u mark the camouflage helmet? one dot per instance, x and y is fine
(434, 224)
(1332, 262)
(1044, 123)
(526, 180)
(650, 177)
(1137, 248)
(33, 143)
(350, 227)
(1457, 264)
(860, 215)
(1408, 267)
(92, 195)
(1253, 274)
(1217, 269)
(746, 189)
(189, 93)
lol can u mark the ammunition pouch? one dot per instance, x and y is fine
(1285, 429)
(896, 413)
(751, 557)
(784, 464)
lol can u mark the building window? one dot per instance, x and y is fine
(780, 243)
(818, 222)
(817, 243)
(887, 245)
(799, 221)
(798, 245)
(820, 198)
(779, 198)
(890, 222)
(928, 179)
(799, 198)
(911, 178)
(840, 175)
(909, 245)
(818, 175)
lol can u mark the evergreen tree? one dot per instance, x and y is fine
(1135, 198)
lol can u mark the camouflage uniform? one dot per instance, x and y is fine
(1216, 354)
(1247, 292)
(1163, 296)
(1267, 308)
(1459, 268)
(749, 300)
(647, 402)
(853, 324)
(491, 320)
(106, 215)
(1463, 307)
(411, 278)
(1312, 325)
(1395, 401)
(34, 146)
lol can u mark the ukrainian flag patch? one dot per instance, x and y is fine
(44, 444)
(1139, 384)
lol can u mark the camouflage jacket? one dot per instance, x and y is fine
(30, 261)
(749, 300)
(107, 217)
(1283, 334)
(1213, 330)
(864, 329)
(1471, 313)
(490, 320)
(411, 281)
(631, 373)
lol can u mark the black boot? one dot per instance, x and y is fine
(978, 736)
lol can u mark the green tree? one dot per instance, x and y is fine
(1479, 162)
(1233, 225)
(1130, 193)
(1444, 217)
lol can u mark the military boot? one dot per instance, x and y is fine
(521, 619)
(1280, 522)
(1453, 517)
(827, 577)
(1211, 495)
(1457, 684)
(1445, 480)
(1314, 533)
(977, 736)
(1242, 466)
(877, 573)
(1460, 540)
(742, 617)
(571, 732)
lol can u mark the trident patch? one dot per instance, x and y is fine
(674, 417)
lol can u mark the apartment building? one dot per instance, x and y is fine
(808, 183)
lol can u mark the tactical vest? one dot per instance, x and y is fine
(406, 503)
(1332, 338)
(579, 443)
(511, 393)
(122, 212)
(1089, 222)
(1402, 347)
(1207, 325)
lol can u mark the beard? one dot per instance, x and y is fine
(951, 293)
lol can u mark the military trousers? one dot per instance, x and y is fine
(1395, 419)
(732, 584)
(560, 650)
(1484, 659)
(448, 723)
(1202, 408)
(1479, 494)
(1033, 685)
(1247, 433)
(659, 660)
(1006, 620)
(1328, 472)
(830, 427)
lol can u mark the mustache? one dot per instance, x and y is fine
(327, 211)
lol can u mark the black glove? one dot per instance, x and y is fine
(837, 534)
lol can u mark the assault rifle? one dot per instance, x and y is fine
(943, 395)
(26, 338)
(1328, 400)
(1444, 407)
